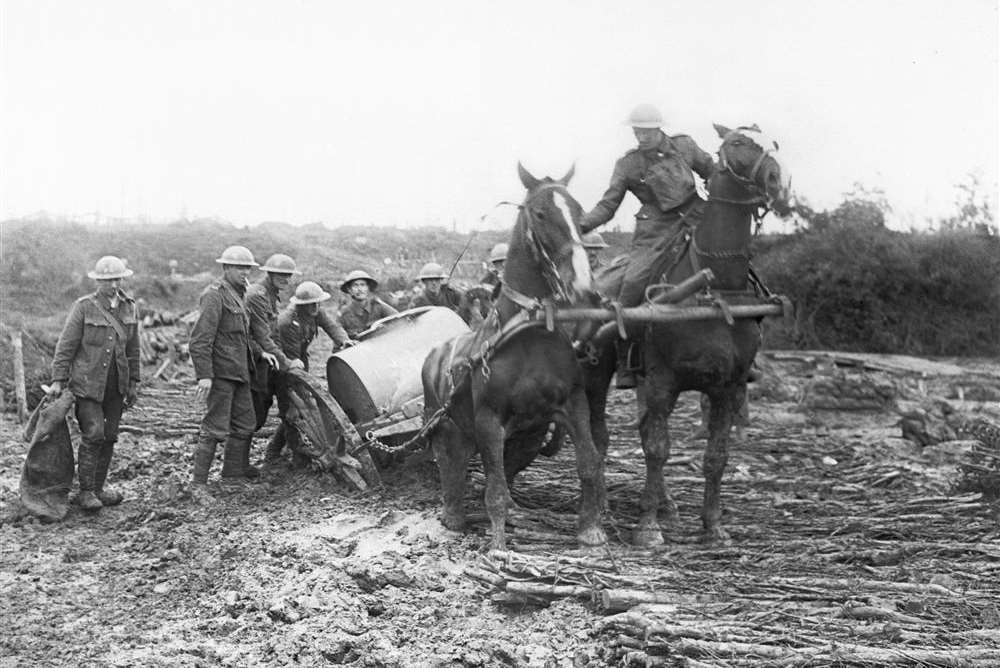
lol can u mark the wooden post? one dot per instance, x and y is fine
(19, 390)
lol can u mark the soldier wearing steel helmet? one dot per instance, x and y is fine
(594, 243)
(658, 172)
(494, 270)
(97, 359)
(365, 307)
(262, 298)
(297, 326)
(223, 361)
(436, 292)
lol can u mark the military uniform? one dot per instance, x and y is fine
(262, 308)
(296, 329)
(97, 357)
(357, 316)
(662, 181)
(220, 350)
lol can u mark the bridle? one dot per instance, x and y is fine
(557, 287)
(760, 200)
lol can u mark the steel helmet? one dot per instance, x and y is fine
(645, 116)
(594, 240)
(432, 270)
(355, 275)
(309, 293)
(109, 267)
(279, 263)
(499, 253)
(237, 255)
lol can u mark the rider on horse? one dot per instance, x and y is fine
(659, 173)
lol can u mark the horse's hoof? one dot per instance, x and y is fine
(592, 537)
(647, 537)
(716, 536)
(453, 521)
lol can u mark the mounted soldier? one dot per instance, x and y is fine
(297, 326)
(97, 359)
(365, 307)
(659, 173)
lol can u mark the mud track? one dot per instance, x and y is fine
(849, 547)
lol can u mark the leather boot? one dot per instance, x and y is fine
(233, 462)
(203, 455)
(86, 473)
(250, 472)
(108, 496)
(624, 375)
(276, 444)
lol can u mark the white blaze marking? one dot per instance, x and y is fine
(766, 143)
(581, 266)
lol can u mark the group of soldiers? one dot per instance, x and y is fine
(242, 344)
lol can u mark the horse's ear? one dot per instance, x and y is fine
(529, 181)
(565, 180)
(754, 127)
(721, 129)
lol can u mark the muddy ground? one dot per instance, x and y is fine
(850, 546)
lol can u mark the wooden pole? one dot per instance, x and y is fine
(19, 390)
(664, 313)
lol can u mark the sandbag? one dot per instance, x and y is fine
(48, 468)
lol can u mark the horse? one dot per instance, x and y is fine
(709, 356)
(497, 389)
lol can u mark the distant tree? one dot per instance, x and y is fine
(974, 212)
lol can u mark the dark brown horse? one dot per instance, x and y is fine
(709, 356)
(496, 390)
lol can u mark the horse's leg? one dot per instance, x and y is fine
(660, 398)
(720, 420)
(589, 468)
(451, 453)
(597, 381)
(490, 440)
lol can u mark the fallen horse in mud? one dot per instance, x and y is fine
(48, 467)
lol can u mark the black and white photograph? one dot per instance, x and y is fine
(560, 334)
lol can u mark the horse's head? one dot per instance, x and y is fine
(751, 157)
(546, 256)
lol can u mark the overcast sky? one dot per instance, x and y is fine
(414, 113)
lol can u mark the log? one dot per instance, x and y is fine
(19, 389)
(537, 589)
(619, 600)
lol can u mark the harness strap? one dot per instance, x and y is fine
(112, 319)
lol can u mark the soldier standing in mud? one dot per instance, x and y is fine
(494, 271)
(659, 172)
(297, 326)
(365, 307)
(261, 301)
(438, 293)
(97, 356)
(594, 243)
(221, 353)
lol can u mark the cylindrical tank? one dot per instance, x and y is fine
(382, 372)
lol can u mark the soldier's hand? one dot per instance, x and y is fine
(204, 385)
(270, 359)
(295, 364)
(132, 395)
(55, 389)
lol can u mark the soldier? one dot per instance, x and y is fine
(659, 173)
(221, 353)
(97, 355)
(594, 243)
(365, 307)
(494, 272)
(261, 300)
(297, 327)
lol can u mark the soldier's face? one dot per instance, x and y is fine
(647, 137)
(498, 267)
(359, 289)
(236, 274)
(432, 285)
(594, 257)
(108, 286)
(280, 281)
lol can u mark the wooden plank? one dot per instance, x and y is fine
(19, 389)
